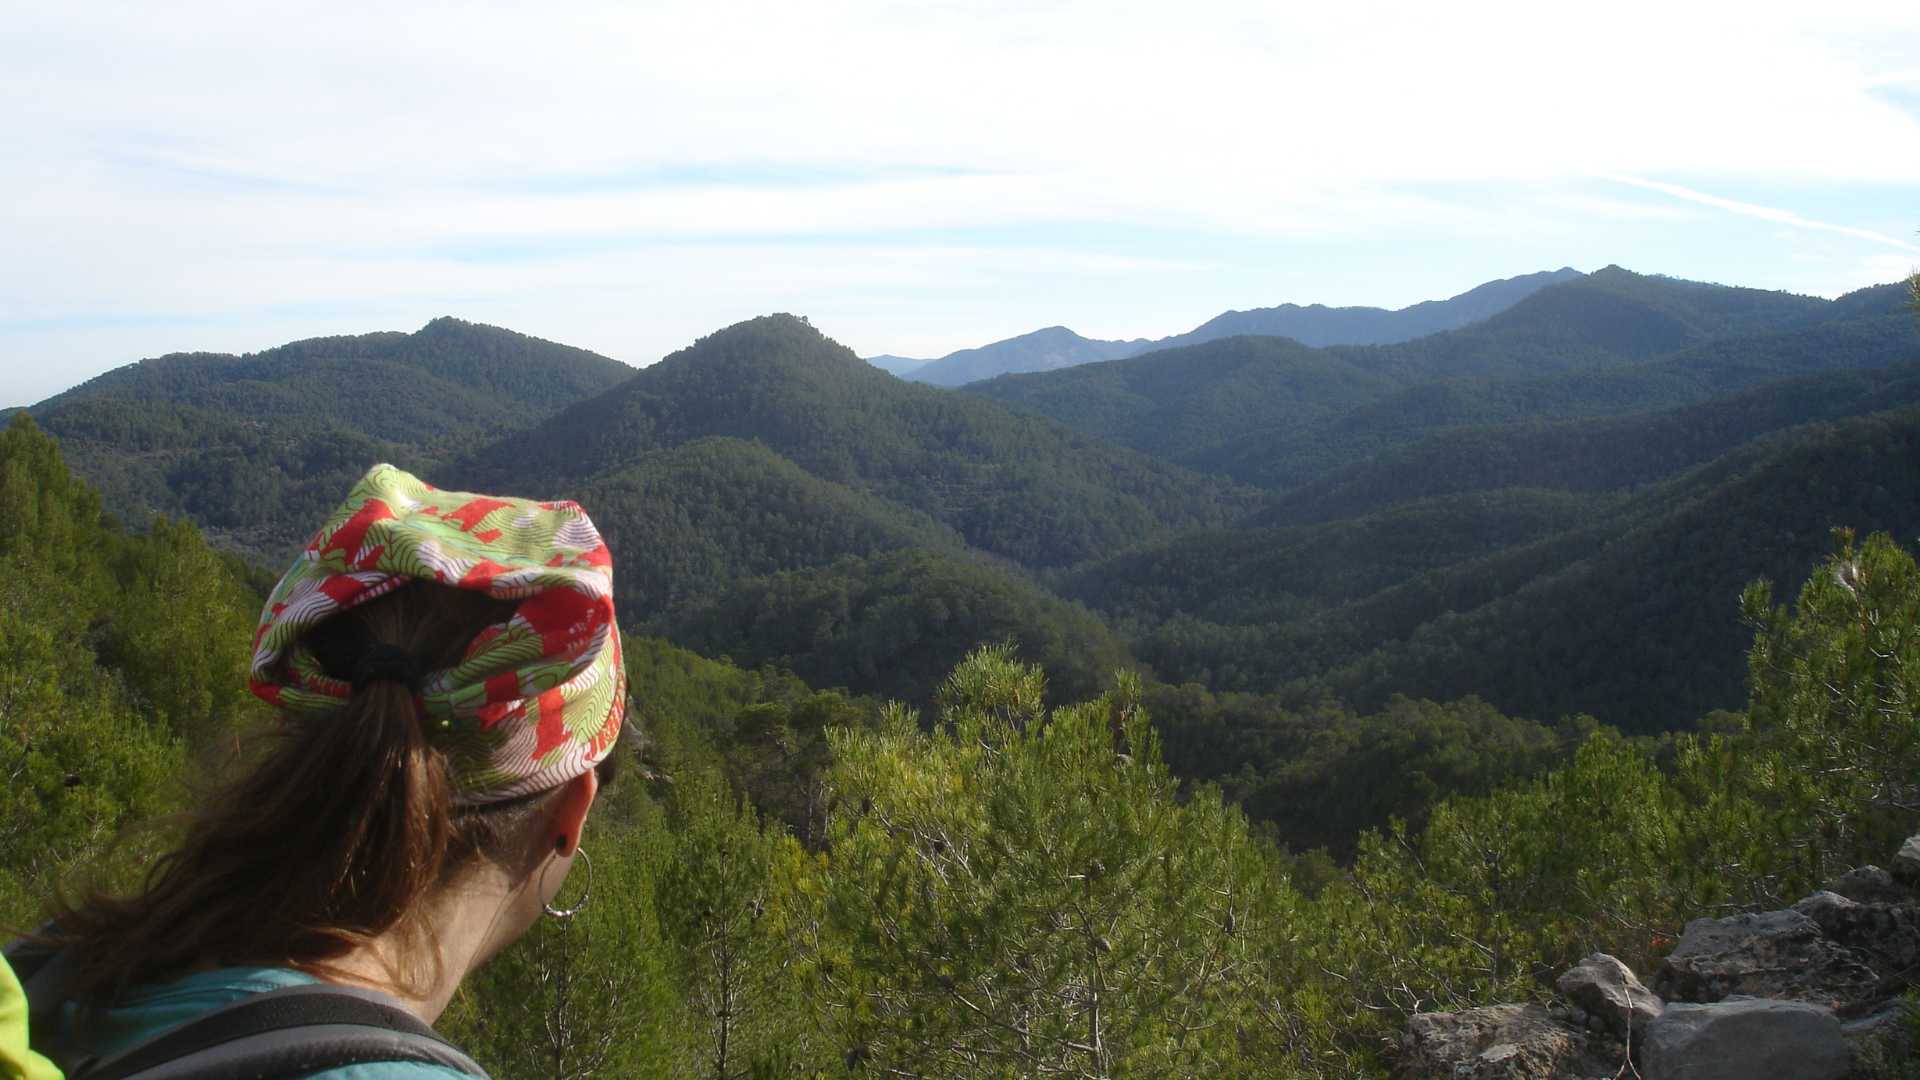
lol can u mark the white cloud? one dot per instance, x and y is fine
(396, 96)
(204, 159)
(1765, 213)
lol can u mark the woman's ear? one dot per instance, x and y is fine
(569, 812)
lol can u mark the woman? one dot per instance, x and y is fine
(448, 670)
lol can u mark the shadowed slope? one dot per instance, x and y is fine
(1020, 487)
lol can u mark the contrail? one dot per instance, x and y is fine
(1765, 213)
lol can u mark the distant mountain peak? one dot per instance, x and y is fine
(1053, 347)
(901, 366)
(1046, 349)
(1318, 325)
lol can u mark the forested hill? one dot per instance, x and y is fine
(1018, 487)
(1870, 329)
(448, 380)
(764, 450)
(1542, 602)
(1493, 510)
(727, 547)
(253, 447)
(1189, 403)
(1628, 631)
(1625, 314)
(1601, 454)
(777, 500)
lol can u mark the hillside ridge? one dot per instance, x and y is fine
(1055, 347)
(782, 500)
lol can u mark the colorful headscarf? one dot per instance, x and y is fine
(537, 700)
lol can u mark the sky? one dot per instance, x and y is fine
(914, 177)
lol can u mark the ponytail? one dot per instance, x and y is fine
(338, 834)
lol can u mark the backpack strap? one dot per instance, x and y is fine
(43, 970)
(27, 957)
(289, 1032)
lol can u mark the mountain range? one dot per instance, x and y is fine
(1057, 347)
(1551, 507)
(1430, 613)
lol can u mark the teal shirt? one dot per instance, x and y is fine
(151, 1010)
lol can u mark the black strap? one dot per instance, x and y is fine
(383, 662)
(43, 970)
(27, 956)
(289, 1032)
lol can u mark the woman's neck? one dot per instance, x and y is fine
(465, 924)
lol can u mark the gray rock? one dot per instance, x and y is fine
(1888, 933)
(1906, 862)
(1869, 885)
(1500, 1042)
(1745, 1038)
(1607, 991)
(1827, 908)
(1777, 954)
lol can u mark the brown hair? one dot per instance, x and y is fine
(333, 837)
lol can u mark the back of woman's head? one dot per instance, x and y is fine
(441, 662)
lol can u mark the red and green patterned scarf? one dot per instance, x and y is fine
(538, 699)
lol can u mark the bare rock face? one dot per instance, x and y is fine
(1608, 991)
(1887, 933)
(1776, 954)
(1502, 1042)
(1869, 885)
(1743, 1038)
(1906, 862)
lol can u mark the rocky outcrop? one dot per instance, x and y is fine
(1603, 994)
(1888, 933)
(1811, 992)
(1775, 954)
(1868, 885)
(1906, 863)
(1500, 1042)
(1744, 1038)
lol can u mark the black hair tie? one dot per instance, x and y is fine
(386, 663)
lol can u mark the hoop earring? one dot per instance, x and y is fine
(585, 894)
